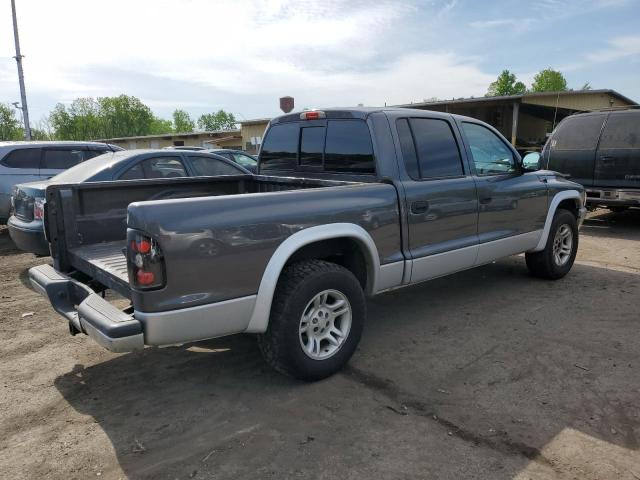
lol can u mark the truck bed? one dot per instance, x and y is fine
(86, 223)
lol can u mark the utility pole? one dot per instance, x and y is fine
(18, 57)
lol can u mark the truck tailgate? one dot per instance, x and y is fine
(105, 262)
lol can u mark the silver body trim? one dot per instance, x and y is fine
(260, 316)
(196, 323)
(391, 275)
(559, 197)
(440, 264)
(505, 247)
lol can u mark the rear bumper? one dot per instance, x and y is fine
(117, 331)
(88, 312)
(613, 197)
(28, 236)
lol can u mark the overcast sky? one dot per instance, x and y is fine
(243, 55)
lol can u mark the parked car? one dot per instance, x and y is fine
(28, 161)
(250, 162)
(25, 225)
(600, 150)
(347, 203)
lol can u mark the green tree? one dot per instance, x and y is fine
(160, 126)
(220, 120)
(10, 128)
(101, 118)
(182, 122)
(124, 116)
(506, 84)
(549, 80)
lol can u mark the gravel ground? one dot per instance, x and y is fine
(484, 374)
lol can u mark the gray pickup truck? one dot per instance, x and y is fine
(346, 203)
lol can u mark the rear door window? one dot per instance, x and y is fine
(280, 148)
(23, 158)
(435, 149)
(622, 131)
(578, 133)
(61, 159)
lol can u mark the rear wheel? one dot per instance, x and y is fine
(557, 258)
(316, 320)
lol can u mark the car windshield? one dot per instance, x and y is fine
(245, 160)
(86, 170)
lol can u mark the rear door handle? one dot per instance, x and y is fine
(421, 206)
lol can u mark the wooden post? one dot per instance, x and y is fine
(514, 123)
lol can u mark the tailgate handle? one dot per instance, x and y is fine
(419, 207)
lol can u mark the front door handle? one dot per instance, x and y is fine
(420, 206)
(485, 200)
(606, 159)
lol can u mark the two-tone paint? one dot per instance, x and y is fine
(225, 249)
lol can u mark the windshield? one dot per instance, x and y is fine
(245, 160)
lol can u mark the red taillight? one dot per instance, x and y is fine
(145, 278)
(145, 261)
(38, 208)
(312, 115)
(141, 245)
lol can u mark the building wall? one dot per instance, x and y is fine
(253, 130)
(168, 141)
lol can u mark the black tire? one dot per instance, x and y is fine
(618, 209)
(299, 283)
(542, 264)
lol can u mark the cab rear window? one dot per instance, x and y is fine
(341, 146)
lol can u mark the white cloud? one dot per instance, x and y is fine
(619, 47)
(324, 52)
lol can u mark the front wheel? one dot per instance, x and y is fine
(316, 320)
(557, 258)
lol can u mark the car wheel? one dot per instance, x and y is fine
(557, 258)
(316, 320)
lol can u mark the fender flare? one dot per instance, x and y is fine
(262, 309)
(559, 197)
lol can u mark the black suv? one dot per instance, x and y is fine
(600, 150)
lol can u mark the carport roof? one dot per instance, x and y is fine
(174, 134)
(519, 97)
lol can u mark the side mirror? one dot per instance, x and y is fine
(531, 161)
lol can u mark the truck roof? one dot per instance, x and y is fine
(364, 112)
